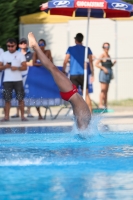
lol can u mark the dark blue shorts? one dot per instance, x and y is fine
(78, 80)
(10, 86)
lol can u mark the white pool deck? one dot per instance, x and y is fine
(121, 117)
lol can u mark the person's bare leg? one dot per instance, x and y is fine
(106, 95)
(39, 113)
(58, 76)
(21, 107)
(80, 108)
(102, 95)
(7, 110)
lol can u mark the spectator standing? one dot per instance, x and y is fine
(23, 48)
(76, 56)
(37, 63)
(13, 63)
(105, 65)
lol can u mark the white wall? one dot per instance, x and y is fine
(55, 35)
(60, 36)
(125, 66)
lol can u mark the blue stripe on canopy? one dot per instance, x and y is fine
(97, 13)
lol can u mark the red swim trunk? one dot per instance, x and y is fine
(67, 95)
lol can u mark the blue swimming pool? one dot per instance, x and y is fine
(49, 163)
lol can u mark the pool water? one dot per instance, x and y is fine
(49, 163)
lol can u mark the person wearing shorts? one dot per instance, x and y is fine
(76, 56)
(23, 48)
(13, 62)
(78, 80)
(105, 64)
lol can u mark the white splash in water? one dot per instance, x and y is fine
(93, 129)
(38, 162)
(22, 162)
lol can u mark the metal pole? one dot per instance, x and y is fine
(116, 65)
(68, 44)
(86, 55)
(68, 34)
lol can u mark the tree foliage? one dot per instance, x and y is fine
(129, 1)
(10, 11)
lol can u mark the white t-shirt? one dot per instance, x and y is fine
(16, 59)
(1, 50)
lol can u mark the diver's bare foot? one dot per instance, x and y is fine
(32, 40)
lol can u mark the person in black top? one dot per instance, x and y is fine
(106, 74)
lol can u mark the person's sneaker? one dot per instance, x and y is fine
(15, 116)
(29, 115)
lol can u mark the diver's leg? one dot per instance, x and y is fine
(80, 108)
(60, 78)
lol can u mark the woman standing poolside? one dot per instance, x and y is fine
(37, 62)
(106, 74)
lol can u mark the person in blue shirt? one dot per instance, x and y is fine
(76, 54)
(68, 90)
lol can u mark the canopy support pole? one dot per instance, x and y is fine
(86, 56)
